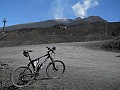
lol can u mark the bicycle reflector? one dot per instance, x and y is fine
(25, 54)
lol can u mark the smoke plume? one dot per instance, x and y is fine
(57, 8)
(80, 8)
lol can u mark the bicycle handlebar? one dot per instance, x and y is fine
(51, 49)
(26, 52)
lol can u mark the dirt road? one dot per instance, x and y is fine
(86, 69)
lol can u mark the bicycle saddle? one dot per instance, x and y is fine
(26, 52)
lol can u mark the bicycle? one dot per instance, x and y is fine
(23, 76)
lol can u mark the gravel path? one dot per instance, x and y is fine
(86, 69)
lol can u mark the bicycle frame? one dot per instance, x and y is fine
(38, 65)
(24, 75)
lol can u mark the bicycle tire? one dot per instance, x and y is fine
(21, 76)
(51, 72)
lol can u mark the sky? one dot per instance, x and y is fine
(28, 11)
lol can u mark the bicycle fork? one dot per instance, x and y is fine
(55, 67)
(53, 63)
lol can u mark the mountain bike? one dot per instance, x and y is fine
(24, 75)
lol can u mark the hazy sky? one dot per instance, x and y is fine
(25, 11)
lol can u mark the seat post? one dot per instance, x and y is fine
(29, 57)
(31, 62)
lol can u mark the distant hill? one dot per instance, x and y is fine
(94, 19)
(43, 24)
(50, 23)
(60, 31)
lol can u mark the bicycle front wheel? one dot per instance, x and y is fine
(21, 76)
(56, 70)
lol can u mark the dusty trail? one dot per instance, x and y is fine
(86, 69)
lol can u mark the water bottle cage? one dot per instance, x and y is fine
(39, 67)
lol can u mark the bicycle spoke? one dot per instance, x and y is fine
(57, 71)
(22, 76)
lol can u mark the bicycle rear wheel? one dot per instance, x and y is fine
(21, 76)
(57, 71)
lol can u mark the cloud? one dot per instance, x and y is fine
(80, 8)
(57, 8)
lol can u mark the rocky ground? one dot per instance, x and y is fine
(86, 68)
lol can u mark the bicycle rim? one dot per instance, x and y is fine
(55, 73)
(21, 76)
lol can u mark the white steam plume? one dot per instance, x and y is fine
(57, 8)
(80, 8)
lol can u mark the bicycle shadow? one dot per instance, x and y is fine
(44, 78)
(12, 87)
(118, 56)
